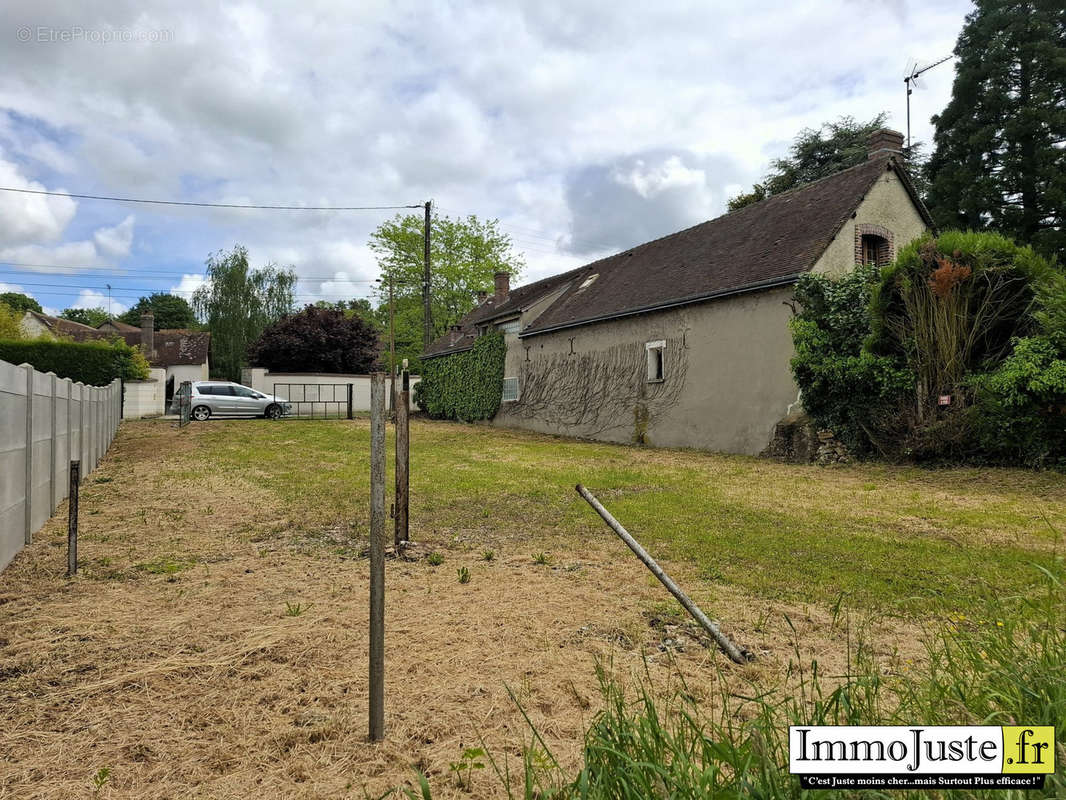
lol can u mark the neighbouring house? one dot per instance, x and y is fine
(174, 355)
(684, 341)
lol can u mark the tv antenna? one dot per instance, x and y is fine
(911, 80)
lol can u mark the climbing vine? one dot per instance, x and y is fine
(601, 391)
(464, 386)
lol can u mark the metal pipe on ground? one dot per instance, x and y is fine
(724, 642)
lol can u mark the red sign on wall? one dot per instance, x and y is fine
(945, 400)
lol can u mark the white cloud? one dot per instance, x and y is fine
(115, 242)
(30, 217)
(90, 298)
(581, 131)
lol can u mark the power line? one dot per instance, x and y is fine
(204, 205)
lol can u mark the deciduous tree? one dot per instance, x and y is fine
(465, 255)
(169, 310)
(237, 303)
(820, 152)
(317, 340)
(93, 317)
(20, 302)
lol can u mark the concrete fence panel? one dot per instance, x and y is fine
(45, 422)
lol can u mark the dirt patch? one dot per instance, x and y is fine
(208, 650)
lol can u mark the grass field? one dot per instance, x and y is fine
(214, 641)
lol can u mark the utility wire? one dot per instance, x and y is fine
(203, 205)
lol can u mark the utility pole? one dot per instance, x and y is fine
(427, 312)
(392, 350)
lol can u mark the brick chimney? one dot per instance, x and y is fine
(456, 333)
(482, 296)
(147, 333)
(503, 286)
(884, 142)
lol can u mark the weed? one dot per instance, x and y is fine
(103, 479)
(434, 559)
(467, 763)
(165, 565)
(541, 558)
(102, 776)
(464, 575)
(488, 555)
(296, 609)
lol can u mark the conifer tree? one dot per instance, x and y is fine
(1000, 145)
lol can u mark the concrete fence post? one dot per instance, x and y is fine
(28, 537)
(53, 447)
(83, 454)
(70, 422)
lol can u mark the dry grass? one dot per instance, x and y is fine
(214, 643)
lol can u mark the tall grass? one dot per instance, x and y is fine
(1008, 667)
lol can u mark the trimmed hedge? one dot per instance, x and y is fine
(95, 363)
(465, 386)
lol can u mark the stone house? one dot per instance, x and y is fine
(684, 341)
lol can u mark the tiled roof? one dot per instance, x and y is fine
(175, 347)
(761, 245)
(118, 326)
(63, 327)
(765, 244)
(518, 299)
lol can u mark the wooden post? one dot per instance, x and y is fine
(730, 649)
(377, 557)
(402, 462)
(72, 519)
(350, 404)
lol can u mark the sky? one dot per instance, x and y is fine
(584, 128)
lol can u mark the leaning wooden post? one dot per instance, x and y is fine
(403, 439)
(377, 557)
(730, 649)
(72, 519)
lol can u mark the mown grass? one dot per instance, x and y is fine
(1008, 670)
(891, 539)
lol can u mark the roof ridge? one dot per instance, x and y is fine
(762, 203)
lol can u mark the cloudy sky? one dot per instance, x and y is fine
(584, 127)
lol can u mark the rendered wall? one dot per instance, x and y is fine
(729, 380)
(45, 422)
(265, 381)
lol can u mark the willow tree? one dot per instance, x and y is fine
(237, 303)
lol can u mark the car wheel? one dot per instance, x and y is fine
(273, 411)
(201, 413)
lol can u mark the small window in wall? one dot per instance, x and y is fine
(656, 361)
(875, 250)
(510, 390)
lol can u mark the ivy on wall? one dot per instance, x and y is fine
(93, 363)
(464, 386)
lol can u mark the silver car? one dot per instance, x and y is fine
(228, 399)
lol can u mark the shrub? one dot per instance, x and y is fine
(466, 386)
(845, 388)
(96, 363)
(1021, 405)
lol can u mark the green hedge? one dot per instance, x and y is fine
(94, 363)
(464, 386)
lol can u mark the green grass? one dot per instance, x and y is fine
(891, 539)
